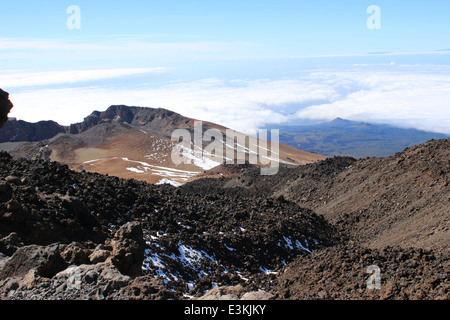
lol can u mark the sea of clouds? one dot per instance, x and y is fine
(402, 95)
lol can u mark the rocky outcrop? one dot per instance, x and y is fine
(79, 235)
(78, 272)
(158, 120)
(5, 107)
(125, 250)
(45, 260)
(20, 131)
(60, 271)
(344, 273)
(128, 248)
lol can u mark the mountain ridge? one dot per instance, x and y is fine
(132, 142)
(358, 139)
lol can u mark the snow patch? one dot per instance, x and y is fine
(91, 161)
(200, 161)
(192, 257)
(169, 181)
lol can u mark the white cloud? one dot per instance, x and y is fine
(118, 49)
(241, 105)
(406, 98)
(13, 80)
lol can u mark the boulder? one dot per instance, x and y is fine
(148, 288)
(94, 282)
(32, 279)
(128, 248)
(9, 244)
(6, 191)
(5, 107)
(46, 260)
(224, 293)
(75, 253)
(258, 295)
(100, 254)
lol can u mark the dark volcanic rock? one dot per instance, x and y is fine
(157, 120)
(19, 130)
(189, 240)
(221, 232)
(342, 273)
(45, 260)
(128, 248)
(5, 107)
(400, 200)
(148, 288)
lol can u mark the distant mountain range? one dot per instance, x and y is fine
(342, 137)
(128, 142)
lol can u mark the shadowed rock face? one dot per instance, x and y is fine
(5, 107)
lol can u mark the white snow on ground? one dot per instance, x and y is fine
(298, 244)
(91, 161)
(251, 151)
(267, 271)
(229, 248)
(261, 147)
(135, 170)
(162, 171)
(161, 149)
(198, 159)
(186, 257)
(166, 172)
(154, 259)
(184, 263)
(191, 257)
(169, 181)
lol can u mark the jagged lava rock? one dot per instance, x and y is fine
(5, 107)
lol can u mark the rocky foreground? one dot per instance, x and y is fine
(78, 235)
(70, 235)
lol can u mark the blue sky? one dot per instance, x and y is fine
(222, 60)
(238, 28)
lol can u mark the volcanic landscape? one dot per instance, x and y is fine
(96, 211)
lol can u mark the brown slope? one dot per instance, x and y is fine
(401, 200)
(144, 150)
(341, 273)
(135, 142)
(133, 155)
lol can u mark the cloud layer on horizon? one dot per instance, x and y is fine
(25, 79)
(403, 97)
